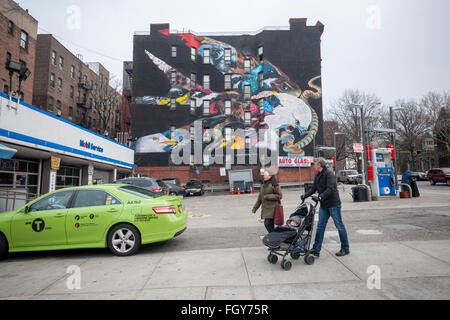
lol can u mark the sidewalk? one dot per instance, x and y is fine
(409, 270)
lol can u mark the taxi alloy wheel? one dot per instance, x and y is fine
(124, 240)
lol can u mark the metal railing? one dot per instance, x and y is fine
(12, 199)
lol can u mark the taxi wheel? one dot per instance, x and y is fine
(124, 240)
(3, 246)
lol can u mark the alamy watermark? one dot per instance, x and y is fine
(201, 146)
(374, 17)
(74, 17)
(374, 280)
(74, 280)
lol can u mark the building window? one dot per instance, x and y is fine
(10, 27)
(8, 58)
(173, 77)
(247, 118)
(193, 54)
(174, 51)
(72, 72)
(54, 57)
(79, 76)
(228, 135)
(58, 107)
(228, 107)
(227, 81)
(6, 89)
(89, 122)
(61, 62)
(52, 80)
(261, 53)
(59, 84)
(172, 130)
(70, 113)
(227, 55)
(247, 66)
(261, 106)
(67, 177)
(247, 92)
(50, 104)
(193, 106)
(173, 104)
(23, 39)
(85, 80)
(72, 90)
(206, 56)
(206, 82)
(206, 105)
(193, 80)
(94, 123)
(260, 80)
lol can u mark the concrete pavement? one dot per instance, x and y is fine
(400, 249)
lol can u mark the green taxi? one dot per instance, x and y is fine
(118, 217)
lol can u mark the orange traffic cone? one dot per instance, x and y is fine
(232, 189)
(251, 190)
(239, 190)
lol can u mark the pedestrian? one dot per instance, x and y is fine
(407, 178)
(330, 206)
(269, 197)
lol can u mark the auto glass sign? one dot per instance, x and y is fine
(295, 161)
(90, 146)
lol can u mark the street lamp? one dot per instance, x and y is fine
(392, 126)
(359, 106)
(335, 148)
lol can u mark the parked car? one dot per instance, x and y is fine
(419, 176)
(146, 183)
(172, 181)
(171, 189)
(439, 175)
(349, 176)
(120, 217)
(194, 187)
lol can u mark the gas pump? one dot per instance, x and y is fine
(381, 172)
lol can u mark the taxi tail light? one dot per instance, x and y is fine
(157, 189)
(165, 210)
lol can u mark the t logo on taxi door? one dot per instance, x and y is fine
(38, 225)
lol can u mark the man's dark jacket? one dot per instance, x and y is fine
(325, 184)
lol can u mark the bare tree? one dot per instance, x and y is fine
(437, 107)
(107, 105)
(412, 125)
(349, 119)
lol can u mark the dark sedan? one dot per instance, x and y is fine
(194, 188)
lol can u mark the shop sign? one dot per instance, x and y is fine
(295, 161)
(55, 163)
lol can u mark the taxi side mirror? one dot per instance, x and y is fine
(27, 209)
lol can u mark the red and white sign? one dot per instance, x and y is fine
(295, 162)
(358, 147)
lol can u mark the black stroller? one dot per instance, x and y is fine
(294, 238)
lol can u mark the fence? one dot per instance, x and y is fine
(12, 199)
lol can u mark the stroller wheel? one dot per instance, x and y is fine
(309, 260)
(286, 265)
(295, 255)
(272, 258)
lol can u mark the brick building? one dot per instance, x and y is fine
(268, 80)
(125, 135)
(18, 35)
(74, 90)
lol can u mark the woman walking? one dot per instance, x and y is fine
(269, 197)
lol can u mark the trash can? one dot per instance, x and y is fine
(308, 186)
(360, 194)
(415, 189)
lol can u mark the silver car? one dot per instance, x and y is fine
(349, 176)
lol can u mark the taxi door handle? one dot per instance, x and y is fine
(60, 215)
(112, 210)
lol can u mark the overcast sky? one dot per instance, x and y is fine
(392, 48)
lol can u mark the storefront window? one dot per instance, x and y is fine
(67, 177)
(19, 174)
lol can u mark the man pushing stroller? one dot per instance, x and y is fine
(330, 205)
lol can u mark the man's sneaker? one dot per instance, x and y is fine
(342, 253)
(314, 253)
